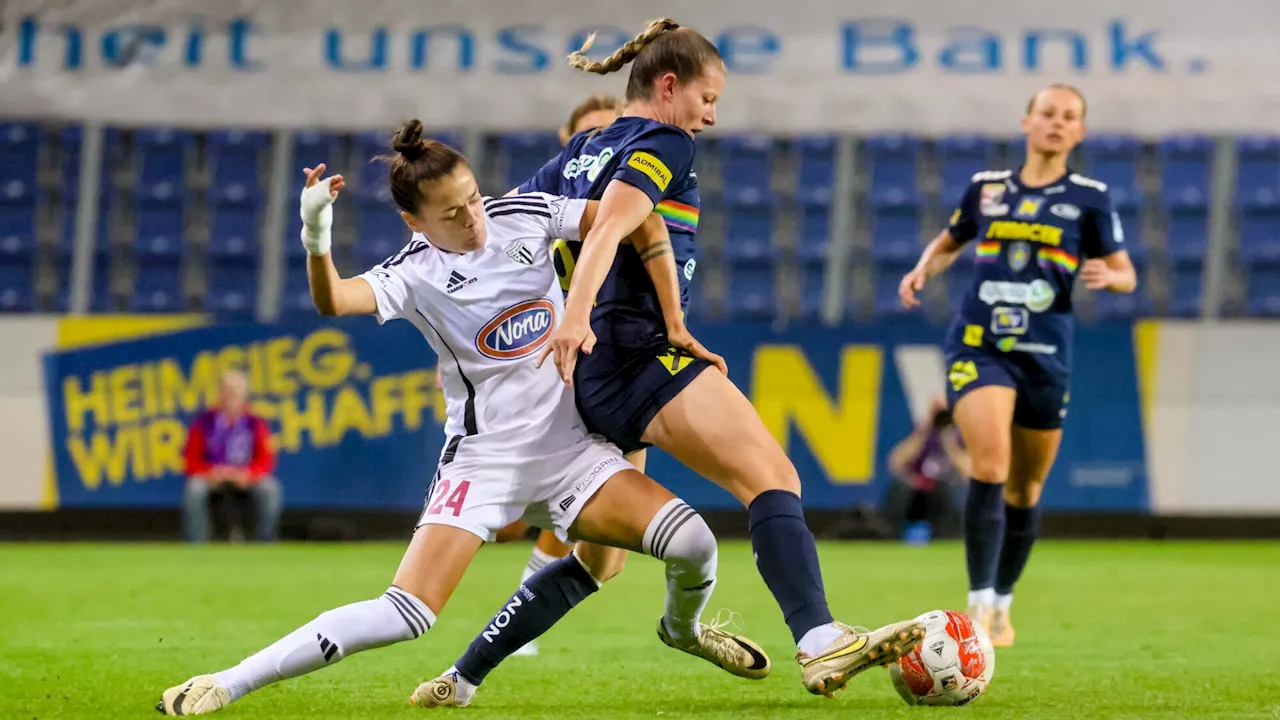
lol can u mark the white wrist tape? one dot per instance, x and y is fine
(317, 217)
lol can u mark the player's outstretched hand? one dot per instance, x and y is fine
(1095, 274)
(336, 183)
(316, 209)
(681, 338)
(912, 283)
(565, 343)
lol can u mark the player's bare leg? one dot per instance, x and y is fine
(714, 430)
(1034, 452)
(984, 416)
(634, 513)
(430, 570)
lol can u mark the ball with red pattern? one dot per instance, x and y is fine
(953, 665)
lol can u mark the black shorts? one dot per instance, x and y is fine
(1041, 401)
(620, 389)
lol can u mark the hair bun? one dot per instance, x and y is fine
(408, 140)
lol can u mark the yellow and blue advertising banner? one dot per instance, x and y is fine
(357, 421)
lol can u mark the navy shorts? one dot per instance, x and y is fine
(1041, 401)
(620, 389)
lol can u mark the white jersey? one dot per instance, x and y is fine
(488, 314)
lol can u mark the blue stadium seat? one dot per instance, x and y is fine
(749, 233)
(812, 291)
(892, 160)
(1258, 175)
(1187, 238)
(815, 234)
(1131, 223)
(157, 286)
(100, 296)
(960, 157)
(233, 290)
(1185, 168)
(816, 174)
(1263, 296)
(17, 286)
(17, 231)
(67, 230)
(525, 154)
(233, 233)
(1259, 223)
(159, 231)
(236, 158)
(746, 164)
(380, 233)
(751, 294)
(309, 149)
(20, 148)
(1121, 306)
(1185, 285)
(162, 164)
(295, 298)
(895, 234)
(370, 176)
(1113, 159)
(888, 277)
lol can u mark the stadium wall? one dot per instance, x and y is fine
(1169, 418)
(807, 65)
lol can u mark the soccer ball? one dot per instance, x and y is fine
(951, 666)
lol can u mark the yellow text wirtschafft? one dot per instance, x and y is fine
(307, 386)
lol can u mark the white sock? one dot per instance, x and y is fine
(464, 687)
(394, 616)
(818, 639)
(1004, 602)
(982, 598)
(537, 560)
(678, 536)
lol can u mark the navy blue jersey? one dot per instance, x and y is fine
(1031, 242)
(658, 159)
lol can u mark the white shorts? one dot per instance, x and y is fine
(485, 494)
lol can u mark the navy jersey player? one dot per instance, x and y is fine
(641, 379)
(1008, 352)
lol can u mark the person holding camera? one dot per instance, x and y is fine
(928, 467)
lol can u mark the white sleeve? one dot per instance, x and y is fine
(553, 216)
(390, 288)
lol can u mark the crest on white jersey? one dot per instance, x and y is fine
(520, 253)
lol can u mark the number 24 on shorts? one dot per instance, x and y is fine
(442, 499)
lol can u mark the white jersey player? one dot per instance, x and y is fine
(477, 281)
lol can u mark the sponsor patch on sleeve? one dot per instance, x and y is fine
(651, 166)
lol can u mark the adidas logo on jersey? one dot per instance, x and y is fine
(457, 281)
(519, 253)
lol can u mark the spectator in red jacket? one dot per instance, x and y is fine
(229, 455)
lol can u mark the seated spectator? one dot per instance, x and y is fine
(229, 458)
(928, 467)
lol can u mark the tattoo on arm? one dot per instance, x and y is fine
(655, 251)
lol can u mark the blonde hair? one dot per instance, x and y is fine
(662, 47)
(1084, 105)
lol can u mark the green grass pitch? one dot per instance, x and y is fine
(1105, 630)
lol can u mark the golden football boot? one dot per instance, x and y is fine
(200, 695)
(856, 650)
(1001, 628)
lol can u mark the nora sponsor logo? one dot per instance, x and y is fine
(518, 331)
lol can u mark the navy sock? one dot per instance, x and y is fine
(983, 532)
(540, 602)
(1022, 525)
(787, 559)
